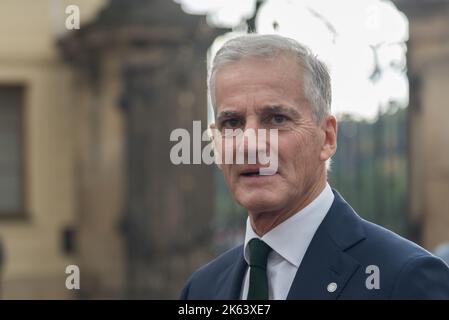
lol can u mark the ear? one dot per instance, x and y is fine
(329, 127)
(216, 139)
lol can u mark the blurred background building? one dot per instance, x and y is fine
(85, 123)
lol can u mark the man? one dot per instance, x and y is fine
(303, 241)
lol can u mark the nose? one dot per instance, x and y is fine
(250, 145)
(252, 123)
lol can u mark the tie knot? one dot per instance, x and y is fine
(258, 253)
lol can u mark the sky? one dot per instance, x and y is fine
(348, 35)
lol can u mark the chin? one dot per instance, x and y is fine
(259, 201)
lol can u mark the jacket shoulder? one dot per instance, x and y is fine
(207, 279)
(406, 270)
(388, 245)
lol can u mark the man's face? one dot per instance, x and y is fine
(268, 94)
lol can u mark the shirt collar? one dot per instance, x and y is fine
(291, 238)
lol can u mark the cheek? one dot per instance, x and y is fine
(298, 150)
(227, 150)
(228, 174)
(226, 170)
(291, 146)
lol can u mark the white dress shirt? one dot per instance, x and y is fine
(289, 242)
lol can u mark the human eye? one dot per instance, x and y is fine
(231, 123)
(278, 119)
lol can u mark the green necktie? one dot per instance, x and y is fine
(258, 280)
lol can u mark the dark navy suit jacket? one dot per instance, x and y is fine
(342, 248)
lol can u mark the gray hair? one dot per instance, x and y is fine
(317, 86)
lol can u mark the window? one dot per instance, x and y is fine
(11, 155)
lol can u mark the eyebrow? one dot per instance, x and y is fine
(225, 114)
(281, 109)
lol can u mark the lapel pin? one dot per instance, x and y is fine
(331, 287)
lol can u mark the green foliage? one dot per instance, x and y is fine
(370, 167)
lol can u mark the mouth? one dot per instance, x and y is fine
(250, 174)
(254, 173)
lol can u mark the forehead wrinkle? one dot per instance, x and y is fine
(289, 71)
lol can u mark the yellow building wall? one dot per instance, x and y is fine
(34, 262)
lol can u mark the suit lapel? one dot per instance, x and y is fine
(323, 265)
(326, 267)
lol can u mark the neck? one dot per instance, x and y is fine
(263, 222)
